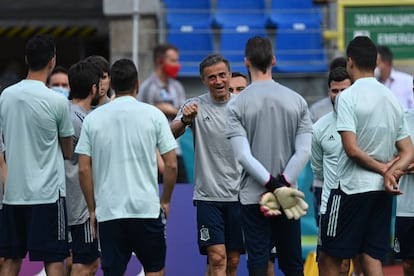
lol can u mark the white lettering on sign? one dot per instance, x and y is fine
(395, 38)
(384, 19)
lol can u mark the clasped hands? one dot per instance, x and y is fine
(392, 176)
(282, 197)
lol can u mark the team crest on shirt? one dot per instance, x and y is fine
(204, 234)
(396, 246)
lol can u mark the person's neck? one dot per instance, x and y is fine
(257, 75)
(40, 75)
(221, 99)
(84, 103)
(102, 100)
(161, 75)
(363, 74)
(132, 94)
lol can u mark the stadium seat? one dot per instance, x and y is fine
(194, 45)
(294, 11)
(188, 13)
(238, 20)
(299, 48)
(233, 13)
(233, 42)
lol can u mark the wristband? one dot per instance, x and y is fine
(282, 179)
(276, 182)
(185, 123)
(272, 184)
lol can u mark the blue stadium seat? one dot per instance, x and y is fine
(297, 11)
(233, 13)
(194, 45)
(299, 48)
(188, 13)
(233, 42)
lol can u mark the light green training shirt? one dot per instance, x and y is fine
(405, 202)
(370, 110)
(121, 138)
(326, 146)
(32, 119)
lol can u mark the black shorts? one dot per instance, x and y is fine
(404, 238)
(38, 229)
(219, 223)
(122, 237)
(84, 247)
(357, 223)
(263, 233)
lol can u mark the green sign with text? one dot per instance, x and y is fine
(392, 26)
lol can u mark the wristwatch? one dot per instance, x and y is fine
(184, 122)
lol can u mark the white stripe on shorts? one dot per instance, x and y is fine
(97, 237)
(87, 229)
(61, 220)
(333, 216)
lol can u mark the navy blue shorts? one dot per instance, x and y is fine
(39, 229)
(357, 223)
(84, 247)
(262, 233)
(219, 223)
(122, 237)
(404, 238)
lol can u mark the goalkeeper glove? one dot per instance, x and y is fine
(269, 205)
(291, 200)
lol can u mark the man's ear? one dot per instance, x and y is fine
(159, 61)
(136, 88)
(246, 62)
(52, 63)
(94, 89)
(350, 62)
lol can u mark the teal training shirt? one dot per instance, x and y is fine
(370, 110)
(32, 118)
(121, 137)
(326, 146)
(77, 209)
(405, 202)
